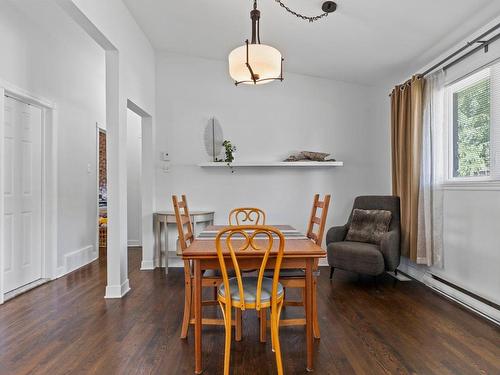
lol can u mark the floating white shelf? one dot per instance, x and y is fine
(310, 164)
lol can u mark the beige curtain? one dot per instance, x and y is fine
(406, 142)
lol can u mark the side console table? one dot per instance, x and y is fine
(164, 218)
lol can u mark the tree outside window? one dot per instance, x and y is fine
(471, 130)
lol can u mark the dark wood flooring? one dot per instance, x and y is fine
(67, 327)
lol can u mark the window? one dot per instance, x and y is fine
(474, 127)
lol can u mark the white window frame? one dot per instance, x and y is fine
(450, 179)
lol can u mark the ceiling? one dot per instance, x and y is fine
(376, 42)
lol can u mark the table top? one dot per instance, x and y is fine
(296, 246)
(191, 213)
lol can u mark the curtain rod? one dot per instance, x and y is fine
(484, 44)
(479, 39)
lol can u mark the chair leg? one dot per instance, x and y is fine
(215, 293)
(396, 272)
(263, 325)
(273, 339)
(331, 272)
(238, 329)
(276, 340)
(315, 310)
(227, 348)
(188, 294)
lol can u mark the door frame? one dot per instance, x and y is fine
(98, 130)
(49, 179)
(147, 185)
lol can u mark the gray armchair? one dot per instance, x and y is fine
(366, 258)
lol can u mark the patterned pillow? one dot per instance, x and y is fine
(369, 225)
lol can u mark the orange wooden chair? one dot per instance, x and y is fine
(247, 216)
(211, 278)
(250, 292)
(296, 278)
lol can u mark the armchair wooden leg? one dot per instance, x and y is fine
(263, 325)
(331, 272)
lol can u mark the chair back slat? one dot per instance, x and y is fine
(247, 216)
(316, 227)
(183, 220)
(250, 238)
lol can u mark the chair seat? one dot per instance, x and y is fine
(359, 257)
(250, 289)
(292, 273)
(216, 274)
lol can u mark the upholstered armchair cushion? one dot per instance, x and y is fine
(359, 257)
(368, 225)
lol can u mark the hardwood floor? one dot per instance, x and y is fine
(67, 327)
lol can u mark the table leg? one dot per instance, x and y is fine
(197, 317)
(309, 316)
(165, 228)
(157, 231)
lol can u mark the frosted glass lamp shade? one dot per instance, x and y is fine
(264, 60)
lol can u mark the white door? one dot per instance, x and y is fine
(23, 194)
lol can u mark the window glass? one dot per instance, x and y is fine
(471, 128)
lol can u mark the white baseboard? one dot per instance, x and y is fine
(147, 265)
(421, 273)
(77, 259)
(117, 291)
(25, 288)
(134, 243)
(323, 262)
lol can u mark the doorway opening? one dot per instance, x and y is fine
(134, 176)
(102, 193)
(140, 189)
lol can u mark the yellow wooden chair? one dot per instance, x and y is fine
(247, 216)
(250, 292)
(291, 278)
(211, 278)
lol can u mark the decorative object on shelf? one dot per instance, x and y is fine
(309, 156)
(213, 138)
(255, 63)
(230, 149)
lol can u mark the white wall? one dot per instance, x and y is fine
(134, 150)
(130, 81)
(53, 59)
(267, 123)
(137, 59)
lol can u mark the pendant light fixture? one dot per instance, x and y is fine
(255, 63)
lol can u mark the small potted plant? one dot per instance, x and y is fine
(229, 150)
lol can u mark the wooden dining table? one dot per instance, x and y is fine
(300, 253)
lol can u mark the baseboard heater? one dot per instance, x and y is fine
(493, 317)
(465, 291)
